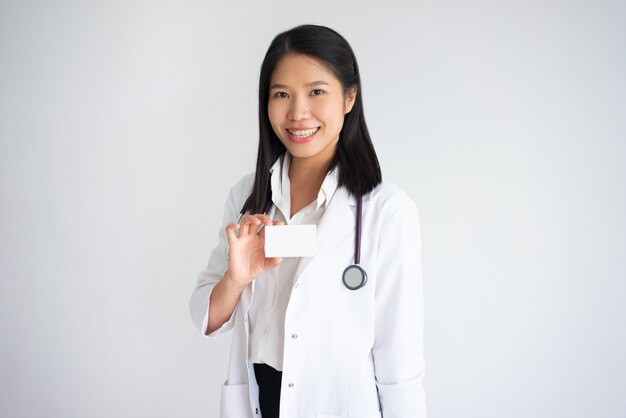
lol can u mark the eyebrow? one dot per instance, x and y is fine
(310, 83)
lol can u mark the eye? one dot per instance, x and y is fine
(317, 92)
(281, 95)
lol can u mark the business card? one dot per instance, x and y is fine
(290, 240)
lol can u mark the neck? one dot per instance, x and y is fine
(306, 176)
(308, 173)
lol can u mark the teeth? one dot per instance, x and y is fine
(304, 133)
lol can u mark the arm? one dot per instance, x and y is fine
(208, 279)
(214, 302)
(398, 346)
(222, 303)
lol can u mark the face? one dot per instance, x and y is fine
(306, 107)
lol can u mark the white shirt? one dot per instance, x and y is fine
(267, 312)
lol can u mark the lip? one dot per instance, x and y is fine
(302, 140)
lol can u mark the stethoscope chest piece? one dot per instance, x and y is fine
(354, 277)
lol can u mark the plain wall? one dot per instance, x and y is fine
(124, 123)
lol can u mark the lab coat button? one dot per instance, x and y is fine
(297, 284)
(257, 411)
(290, 385)
(294, 336)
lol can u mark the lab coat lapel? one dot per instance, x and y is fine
(338, 220)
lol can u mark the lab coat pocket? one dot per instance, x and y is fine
(235, 401)
(376, 415)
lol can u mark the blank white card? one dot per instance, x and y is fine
(290, 240)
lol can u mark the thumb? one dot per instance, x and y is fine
(274, 261)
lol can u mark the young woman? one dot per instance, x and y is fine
(337, 334)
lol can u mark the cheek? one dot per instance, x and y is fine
(274, 112)
(332, 114)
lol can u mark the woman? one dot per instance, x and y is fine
(310, 341)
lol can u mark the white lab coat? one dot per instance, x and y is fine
(347, 353)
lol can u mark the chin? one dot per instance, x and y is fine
(301, 153)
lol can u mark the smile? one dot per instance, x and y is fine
(304, 135)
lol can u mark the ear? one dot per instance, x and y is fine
(350, 99)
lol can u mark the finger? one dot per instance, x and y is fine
(260, 231)
(244, 225)
(230, 232)
(267, 221)
(264, 218)
(248, 223)
(273, 261)
(273, 223)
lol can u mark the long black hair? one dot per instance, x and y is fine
(359, 170)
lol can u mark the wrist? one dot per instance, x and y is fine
(234, 283)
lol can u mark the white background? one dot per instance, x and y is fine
(124, 123)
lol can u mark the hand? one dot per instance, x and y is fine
(246, 252)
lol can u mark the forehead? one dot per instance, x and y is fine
(296, 69)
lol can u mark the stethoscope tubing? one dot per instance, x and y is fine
(359, 220)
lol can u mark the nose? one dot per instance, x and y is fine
(299, 110)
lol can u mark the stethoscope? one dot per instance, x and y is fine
(354, 276)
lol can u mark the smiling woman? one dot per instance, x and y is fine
(307, 341)
(301, 110)
(307, 116)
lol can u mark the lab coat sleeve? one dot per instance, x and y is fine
(398, 346)
(217, 266)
